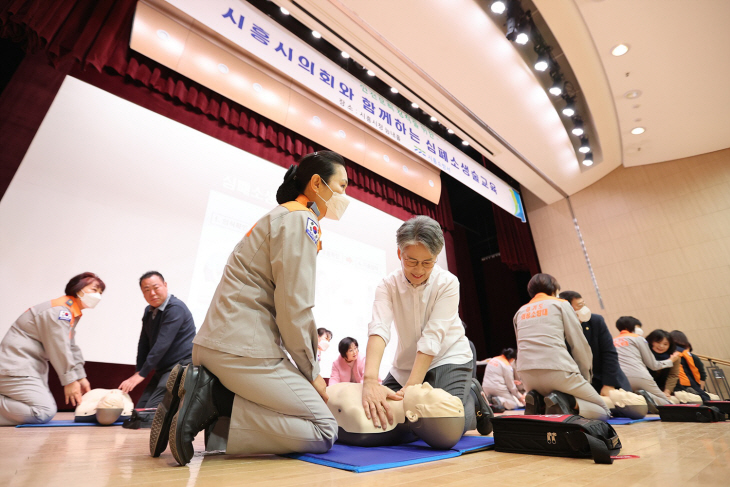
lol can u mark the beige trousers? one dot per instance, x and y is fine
(650, 386)
(590, 404)
(25, 400)
(275, 411)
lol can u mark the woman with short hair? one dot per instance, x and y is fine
(545, 328)
(46, 333)
(662, 347)
(499, 381)
(349, 366)
(634, 356)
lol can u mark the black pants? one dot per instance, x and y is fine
(155, 390)
(454, 379)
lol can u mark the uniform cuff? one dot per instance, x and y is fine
(73, 375)
(315, 371)
(429, 346)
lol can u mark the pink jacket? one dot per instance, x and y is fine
(342, 372)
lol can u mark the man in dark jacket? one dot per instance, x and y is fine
(607, 373)
(166, 339)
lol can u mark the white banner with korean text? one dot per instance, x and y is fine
(268, 41)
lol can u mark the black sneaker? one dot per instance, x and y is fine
(650, 403)
(196, 412)
(559, 403)
(534, 403)
(484, 412)
(165, 412)
(496, 404)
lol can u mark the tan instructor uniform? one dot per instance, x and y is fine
(43, 333)
(543, 327)
(262, 306)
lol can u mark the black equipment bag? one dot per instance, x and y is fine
(690, 413)
(723, 406)
(556, 435)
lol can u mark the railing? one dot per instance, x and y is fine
(713, 360)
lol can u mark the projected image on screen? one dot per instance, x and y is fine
(145, 193)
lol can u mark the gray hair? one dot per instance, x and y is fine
(421, 229)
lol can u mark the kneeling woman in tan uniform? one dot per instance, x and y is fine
(261, 310)
(545, 327)
(45, 333)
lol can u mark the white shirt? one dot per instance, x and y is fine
(426, 320)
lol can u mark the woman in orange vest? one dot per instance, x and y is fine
(692, 374)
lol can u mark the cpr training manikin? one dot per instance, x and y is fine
(104, 406)
(433, 415)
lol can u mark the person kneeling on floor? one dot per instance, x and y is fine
(545, 327)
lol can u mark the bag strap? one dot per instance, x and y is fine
(599, 450)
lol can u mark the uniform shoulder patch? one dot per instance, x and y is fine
(65, 315)
(312, 229)
(70, 302)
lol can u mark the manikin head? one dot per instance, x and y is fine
(420, 241)
(626, 404)
(436, 416)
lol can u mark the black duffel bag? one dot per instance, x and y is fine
(690, 413)
(556, 435)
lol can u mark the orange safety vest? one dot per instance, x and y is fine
(683, 379)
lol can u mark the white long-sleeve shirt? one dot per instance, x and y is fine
(426, 320)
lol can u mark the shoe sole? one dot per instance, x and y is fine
(161, 423)
(530, 407)
(554, 407)
(173, 427)
(484, 422)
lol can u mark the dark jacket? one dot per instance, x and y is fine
(166, 339)
(606, 370)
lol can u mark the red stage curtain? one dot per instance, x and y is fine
(516, 247)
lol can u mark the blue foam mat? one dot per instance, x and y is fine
(623, 421)
(62, 423)
(363, 459)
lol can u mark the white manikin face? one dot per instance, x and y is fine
(423, 401)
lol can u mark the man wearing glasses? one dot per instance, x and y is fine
(422, 300)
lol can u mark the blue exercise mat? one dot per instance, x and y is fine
(363, 459)
(62, 423)
(622, 421)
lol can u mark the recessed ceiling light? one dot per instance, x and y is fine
(316, 120)
(620, 50)
(223, 68)
(370, 72)
(394, 90)
(284, 11)
(585, 148)
(433, 119)
(344, 55)
(522, 38)
(498, 7)
(577, 131)
(555, 89)
(386, 158)
(569, 111)
(414, 104)
(431, 183)
(341, 134)
(405, 168)
(451, 131)
(258, 88)
(316, 34)
(588, 161)
(638, 130)
(632, 94)
(162, 34)
(464, 142)
(541, 65)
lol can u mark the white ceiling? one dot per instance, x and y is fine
(452, 57)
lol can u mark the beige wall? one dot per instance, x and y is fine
(658, 237)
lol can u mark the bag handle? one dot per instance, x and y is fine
(599, 450)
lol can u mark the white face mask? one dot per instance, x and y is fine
(639, 331)
(336, 205)
(584, 314)
(90, 300)
(324, 344)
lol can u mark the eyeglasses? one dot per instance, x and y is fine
(427, 264)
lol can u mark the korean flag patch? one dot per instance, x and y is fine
(313, 230)
(64, 315)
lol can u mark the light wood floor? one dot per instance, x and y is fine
(686, 454)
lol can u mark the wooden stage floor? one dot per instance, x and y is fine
(672, 454)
